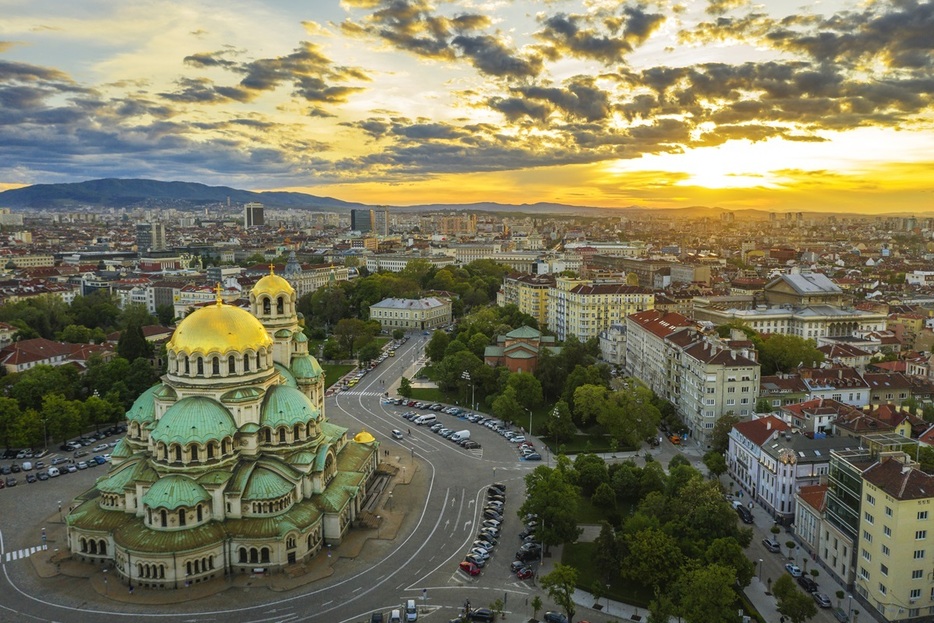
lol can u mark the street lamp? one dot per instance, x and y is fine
(760, 570)
(530, 421)
(60, 517)
(390, 501)
(377, 526)
(466, 376)
(105, 582)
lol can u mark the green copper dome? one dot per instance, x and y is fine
(286, 406)
(195, 419)
(265, 484)
(144, 408)
(306, 367)
(287, 375)
(171, 492)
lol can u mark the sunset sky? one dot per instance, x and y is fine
(825, 105)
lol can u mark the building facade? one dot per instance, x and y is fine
(584, 308)
(412, 314)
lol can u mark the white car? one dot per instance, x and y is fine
(100, 447)
(793, 569)
(518, 439)
(397, 434)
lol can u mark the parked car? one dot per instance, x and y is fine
(840, 615)
(793, 569)
(469, 568)
(744, 514)
(554, 617)
(822, 600)
(30, 478)
(532, 456)
(524, 573)
(809, 585)
(772, 545)
(481, 614)
(474, 559)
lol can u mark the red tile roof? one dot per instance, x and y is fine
(900, 481)
(814, 496)
(758, 431)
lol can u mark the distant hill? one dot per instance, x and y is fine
(120, 193)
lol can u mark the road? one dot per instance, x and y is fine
(420, 562)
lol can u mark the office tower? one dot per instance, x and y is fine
(380, 221)
(253, 215)
(361, 220)
(150, 237)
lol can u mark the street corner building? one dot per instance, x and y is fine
(229, 463)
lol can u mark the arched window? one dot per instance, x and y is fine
(200, 366)
(199, 512)
(178, 453)
(181, 516)
(165, 452)
(257, 361)
(267, 306)
(165, 518)
(280, 306)
(194, 452)
(267, 433)
(188, 568)
(215, 366)
(243, 554)
(281, 435)
(297, 432)
(246, 363)
(265, 555)
(231, 365)
(290, 542)
(187, 366)
(103, 548)
(254, 555)
(210, 450)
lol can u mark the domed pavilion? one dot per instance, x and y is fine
(229, 463)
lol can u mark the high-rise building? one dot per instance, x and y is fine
(150, 237)
(253, 215)
(361, 220)
(380, 220)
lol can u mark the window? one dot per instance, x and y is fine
(922, 515)
(919, 554)
(888, 511)
(887, 531)
(869, 518)
(867, 537)
(915, 593)
(883, 589)
(885, 550)
(917, 574)
(921, 534)
(863, 573)
(866, 555)
(884, 569)
(870, 499)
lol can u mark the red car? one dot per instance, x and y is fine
(469, 568)
(524, 573)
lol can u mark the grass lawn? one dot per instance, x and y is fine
(588, 513)
(581, 555)
(333, 372)
(430, 394)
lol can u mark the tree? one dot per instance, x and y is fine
(764, 405)
(662, 609)
(536, 604)
(437, 345)
(10, 415)
(604, 496)
(608, 555)
(553, 498)
(707, 595)
(75, 334)
(559, 426)
(720, 436)
(506, 406)
(368, 352)
(797, 606)
(715, 463)
(405, 387)
(398, 334)
(165, 314)
(133, 344)
(560, 585)
(728, 552)
(782, 353)
(348, 333)
(528, 389)
(783, 586)
(591, 472)
(654, 559)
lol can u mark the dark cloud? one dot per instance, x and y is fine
(607, 41)
(579, 99)
(719, 7)
(492, 57)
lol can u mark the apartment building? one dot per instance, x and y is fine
(394, 263)
(530, 293)
(646, 353)
(584, 308)
(745, 449)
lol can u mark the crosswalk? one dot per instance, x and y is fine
(353, 392)
(26, 552)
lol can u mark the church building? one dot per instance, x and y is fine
(229, 464)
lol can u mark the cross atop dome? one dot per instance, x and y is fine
(217, 293)
(272, 268)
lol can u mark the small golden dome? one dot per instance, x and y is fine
(272, 284)
(364, 437)
(219, 328)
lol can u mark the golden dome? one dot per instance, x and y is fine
(219, 328)
(364, 437)
(272, 284)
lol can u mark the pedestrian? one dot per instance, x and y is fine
(750, 506)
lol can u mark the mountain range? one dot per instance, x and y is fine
(125, 193)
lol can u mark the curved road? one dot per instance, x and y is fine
(447, 486)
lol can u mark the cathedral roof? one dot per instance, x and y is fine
(195, 419)
(286, 406)
(219, 328)
(306, 367)
(266, 484)
(174, 491)
(272, 285)
(144, 408)
(287, 375)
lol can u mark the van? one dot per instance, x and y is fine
(53, 472)
(395, 616)
(422, 420)
(411, 612)
(27, 466)
(460, 435)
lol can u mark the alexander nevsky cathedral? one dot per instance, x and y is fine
(229, 463)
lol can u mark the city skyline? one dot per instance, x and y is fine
(589, 102)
